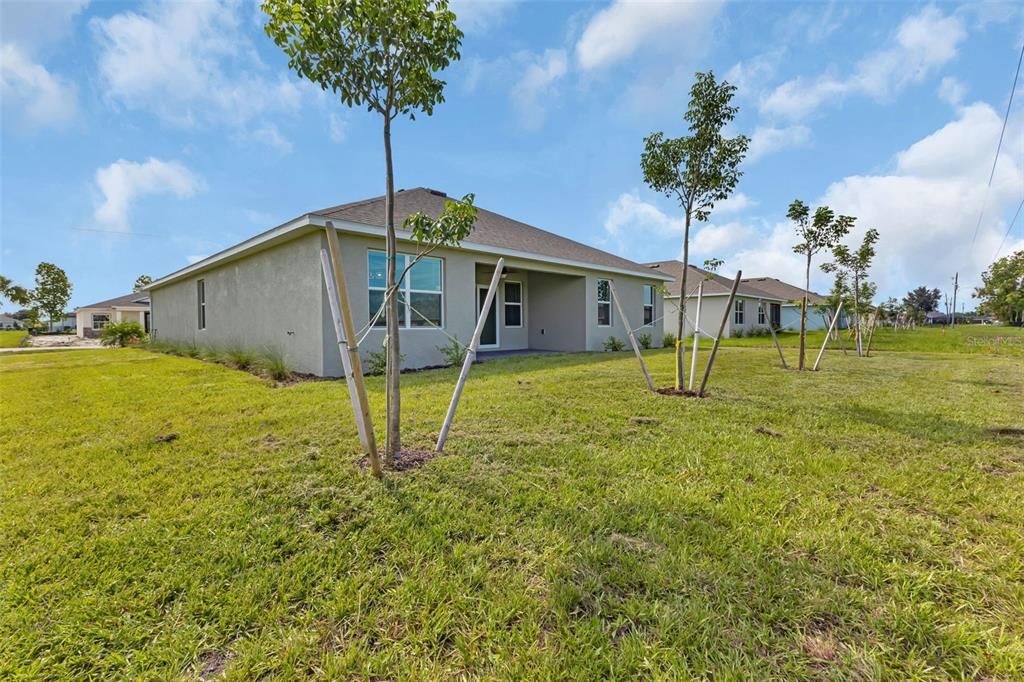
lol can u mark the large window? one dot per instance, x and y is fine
(648, 304)
(775, 313)
(760, 313)
(737, 312)
(513, 304)
(99, 320)
(420, 294)
(604, 303)
(201, 302)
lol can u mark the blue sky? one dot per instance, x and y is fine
(137, 137)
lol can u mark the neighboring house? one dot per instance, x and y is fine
(752, 308)
(794, 296)
(91, 319)
(66, 323)
(935, 317)
(268, 291)
(8, 322)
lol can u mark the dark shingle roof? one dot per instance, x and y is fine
(713, 284)
(491, 229)
(135, 298)
(779, 289)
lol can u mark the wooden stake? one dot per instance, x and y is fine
(871, 333)
(356, 363)
(721, 331)
(474, 343)
(835, 318)
(632, 339)
(346, 361)
(775, 338)
(696, 335)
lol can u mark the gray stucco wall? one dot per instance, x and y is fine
(712, 309)
(630, 294)
(557, 320)
(271, 299)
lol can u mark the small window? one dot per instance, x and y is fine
(604, 303)
(760, 314)
(513, 304)
(737, 312)
(420, 294)
(201, 298)
(648, 305)
(99, 321)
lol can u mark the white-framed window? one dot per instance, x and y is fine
(604, 303)
(760, 314)
(201, 302)
(737, 312)
(100, 320)
(648, 305)
(513, 304)
(420, 295)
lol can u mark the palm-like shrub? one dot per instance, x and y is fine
(123, 334)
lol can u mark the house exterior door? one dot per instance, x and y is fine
(489, 334)
(775, 314)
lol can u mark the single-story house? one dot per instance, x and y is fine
(65, 323)
(794, 296)
(752, 308)
(268, 292)
(91, 319)
(8, 322)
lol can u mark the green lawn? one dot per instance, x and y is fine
(12, 338)
(985, 339)
(861, 522)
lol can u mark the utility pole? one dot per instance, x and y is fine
(956, 285)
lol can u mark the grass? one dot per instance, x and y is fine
(861, 522)
(984, 339)
(12, 338)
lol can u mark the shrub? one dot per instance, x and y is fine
(454, 353)
(377, 361)
(738, 334)
(123, 334)
(669, 341)
(644, 340)
(613, 345)
(274, 365)
(239, 357)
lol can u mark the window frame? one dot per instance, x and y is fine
(201, 303)
(762, 314)
(505, 304)
(406, 291)
(608, 302)
(648, 288)
(738, 311)
(92, 320)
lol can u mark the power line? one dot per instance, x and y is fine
(1012, 222)
(1006, 117)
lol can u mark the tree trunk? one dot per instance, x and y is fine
(681, 326)
(803, 316)
(393, 436)
(856, 313)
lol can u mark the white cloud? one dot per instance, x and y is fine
(748, 76)
(480, 16)
(190, 63)
(766, 140)
(124, 181)
(269, 135)
(35, 24)
(734, 204)
(33, 95)
(952, 90)
(338, 128)
(630, 217)
(535, 90)
(923, 42)
(717, 240)
(625, 26)
(195, 259)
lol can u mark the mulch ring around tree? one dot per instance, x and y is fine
(678, 392)
(407, 460)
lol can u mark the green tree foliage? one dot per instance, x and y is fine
(922, 300)
(819, 233)
(142, 282)
(13, 293)
(52, 292)
(382, 55)
(855, 264)
(1002, 289)
(698, 169)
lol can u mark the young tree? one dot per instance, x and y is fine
(1002, 289)
(823, 231)
(698, 169)
(142, 282)
(13, 293)
(382, 55)
(52, 292)
(855, 265)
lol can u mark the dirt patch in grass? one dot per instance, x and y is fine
(765, 431)
(212, 664)
(407, 460)
(1006, 431)
(643, 420)
(678, 393)
(166, 438)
